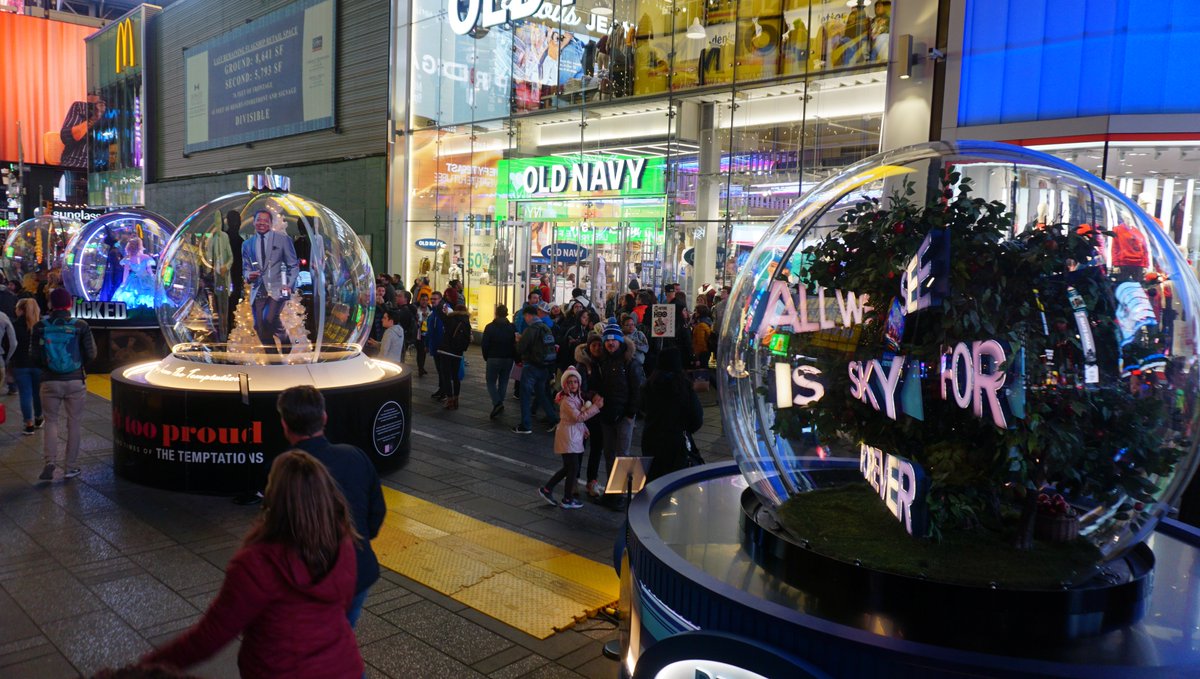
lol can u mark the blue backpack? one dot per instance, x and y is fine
(60, 346)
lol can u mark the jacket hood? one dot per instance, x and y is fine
(459, 314)
(628, 350)
(582, 355)
(292, 571)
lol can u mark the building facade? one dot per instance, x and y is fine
(602, 142)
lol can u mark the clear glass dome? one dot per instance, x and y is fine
(1014, 325)
(114, 258)
(265, 276)
(34, 251)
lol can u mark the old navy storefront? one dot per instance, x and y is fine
(610, 141)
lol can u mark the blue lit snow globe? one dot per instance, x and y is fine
(1005, 344)
(265, 277)
(114, 259)
(35, 250)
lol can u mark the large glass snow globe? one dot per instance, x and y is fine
(114, 258)
(1015, 328)
(34, 251)
(265, 277)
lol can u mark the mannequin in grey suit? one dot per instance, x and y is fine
(270, 266)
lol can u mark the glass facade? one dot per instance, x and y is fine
(607, 141)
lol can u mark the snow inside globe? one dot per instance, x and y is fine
(114, 258)
(265, 277)
(1002, 340)
(34, 251)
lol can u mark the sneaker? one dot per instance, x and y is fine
(437, 396)
(571, 504)
(594, 489)
(30, 430)
(47, 473)
(495, 411)
(552, 427)
(518, 430)
(39, 422)
(547, 496)
(72, 473)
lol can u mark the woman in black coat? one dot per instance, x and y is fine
(673, 414)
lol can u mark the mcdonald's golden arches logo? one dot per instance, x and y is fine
(125, 53)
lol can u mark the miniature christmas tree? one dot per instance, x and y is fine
(293, 316)
(243, 341)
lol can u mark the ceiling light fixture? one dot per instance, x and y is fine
(696, 31)
(602, 10)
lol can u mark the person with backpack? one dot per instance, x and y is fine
(455, 340)
(60, 346)
(538, 352)
(435, 328)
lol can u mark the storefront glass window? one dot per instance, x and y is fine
(611, 142)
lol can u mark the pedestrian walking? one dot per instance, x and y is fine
(26, 375)
(302, 414)
(435, 328)
(538, 353)
(455, 340)
(60, 347)
(573, 413)
(423, 310)
(499, 347)
(287, 590)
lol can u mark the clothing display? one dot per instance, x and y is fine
(1129, 247)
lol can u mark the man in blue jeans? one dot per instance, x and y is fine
(538, 352)
(302, 414)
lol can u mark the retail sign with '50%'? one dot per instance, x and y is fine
(465, 15)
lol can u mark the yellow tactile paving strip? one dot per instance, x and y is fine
(535, 587)
(100, 385)
(528, 584)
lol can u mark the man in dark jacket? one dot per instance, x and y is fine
(534, 350)
(618, 380)
(302, 414)
(435, 328)
(499, 351)
(60, 346)
(408, 317)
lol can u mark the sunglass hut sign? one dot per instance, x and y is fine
(596, 176)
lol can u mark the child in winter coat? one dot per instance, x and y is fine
(573, 411)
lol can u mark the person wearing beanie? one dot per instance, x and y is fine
(60, 346)
(573, 413)
(673, 414)
(617, 379)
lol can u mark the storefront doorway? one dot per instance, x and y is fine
(597, 245)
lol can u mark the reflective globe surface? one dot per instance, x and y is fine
(1014, 326)
(265, 277)
(114, 258)
(34, 250)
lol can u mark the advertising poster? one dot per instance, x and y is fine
(271, 78)
(453, 183)
(662, 320)
(44, 81)
(551, 60)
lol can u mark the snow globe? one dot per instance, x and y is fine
(113, 259)
(1000, 349)
(34, 250)
(255, 292)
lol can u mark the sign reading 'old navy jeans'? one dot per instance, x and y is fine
(272, 77)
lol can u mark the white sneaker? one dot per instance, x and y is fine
(594, 488)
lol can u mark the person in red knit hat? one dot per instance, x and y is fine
(288, 588)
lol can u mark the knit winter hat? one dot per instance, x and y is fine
(60, 299)
(569, 372)
(612, 331)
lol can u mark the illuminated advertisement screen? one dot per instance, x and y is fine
(271, 78)
(45, 91)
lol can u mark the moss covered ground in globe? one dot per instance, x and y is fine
(849, 522)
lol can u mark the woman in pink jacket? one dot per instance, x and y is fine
(573, 411)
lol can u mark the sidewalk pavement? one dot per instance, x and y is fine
(95, 570)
